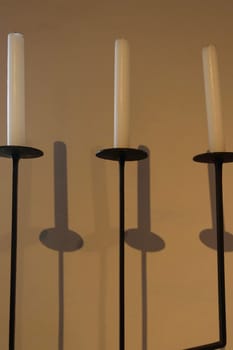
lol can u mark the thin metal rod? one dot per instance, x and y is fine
(220, 253)
(220, 264)
(122, 257)
(13, 253)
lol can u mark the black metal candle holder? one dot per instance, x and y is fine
(122, 155)
(15, 153)
(218, 158)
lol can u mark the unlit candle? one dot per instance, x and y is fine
(121, 94)
(15, 90)
(213, 101)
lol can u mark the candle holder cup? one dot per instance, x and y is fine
(15, 153)
(122, 155)
(218, 159)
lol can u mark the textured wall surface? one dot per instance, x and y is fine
(67, 295)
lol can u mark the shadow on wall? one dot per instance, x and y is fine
(101, 241)
(141, 238)
(209, 236)
(60, 238)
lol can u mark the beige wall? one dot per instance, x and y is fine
(69, 78)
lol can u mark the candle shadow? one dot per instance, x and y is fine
(141, 238)
(101, 241)
(208, 236)
(60, 238)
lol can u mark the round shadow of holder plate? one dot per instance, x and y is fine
(145, 242)
(61, 240)
(208, 238)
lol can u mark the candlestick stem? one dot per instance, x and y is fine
(220, 252)
(15, 153)
(15, 159)
(122, 254)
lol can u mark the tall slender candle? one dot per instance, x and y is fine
(213, 101)
(121, 94)
(15, 90)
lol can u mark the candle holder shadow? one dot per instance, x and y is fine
(60, 238)
(218, 158)
(207, 236)
(209, 239)
(142, 238)
(122, 155)
(15, 153)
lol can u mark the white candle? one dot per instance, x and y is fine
(121, 94)
(15, 90)
(213, 101)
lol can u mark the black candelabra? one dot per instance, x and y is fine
(218, 158)
(122, 155)
(15, 153)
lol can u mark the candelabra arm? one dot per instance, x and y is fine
(15, 153)
(122, 155)
(218, 158)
